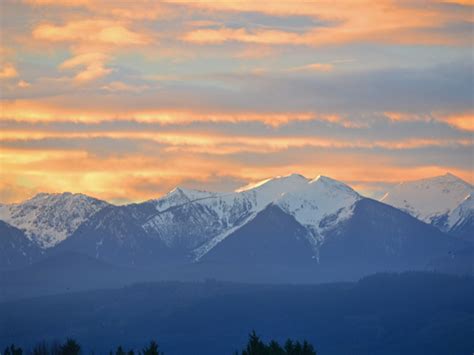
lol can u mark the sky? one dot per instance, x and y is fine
(124, 100)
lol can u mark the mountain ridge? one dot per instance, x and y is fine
(184, 225)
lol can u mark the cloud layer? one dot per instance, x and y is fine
(125, 100)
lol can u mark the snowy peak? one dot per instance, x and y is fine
(269, 190)
(48, 219)
(179, 196)
(190, 194)
(320, 205)
(278, 182)
(447, 178)
(429, 199)
(328, 184)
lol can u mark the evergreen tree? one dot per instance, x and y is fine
(70, 347)
(298, 349)
(308, 349)
(120, 351)
(12, 350)
(255, 346)
(275, 349)
(152, 349)
(289, 347)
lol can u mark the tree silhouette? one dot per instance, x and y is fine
(275, 349)
(255, 346)
(70, 347)
(152, 349)
(12, 350)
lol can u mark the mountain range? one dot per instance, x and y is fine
(319, 226)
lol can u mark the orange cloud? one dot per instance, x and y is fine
(90, 40)
(217, 36)
(319, 37)
(222, 144)
(462, 121)
(115, 86)
(90, 31)
(33, 111)
(8, 71)
(77, 171)
(23, 84)
(31, 171)
(353, 21)
(322, 67)
(93, 65)
(129, 10)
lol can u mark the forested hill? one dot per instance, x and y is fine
(409, 313)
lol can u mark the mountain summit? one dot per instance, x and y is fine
(442, 201)
(48, 219)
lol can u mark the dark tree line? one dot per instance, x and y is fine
(151, 349)
(255, 346)
(72, 347)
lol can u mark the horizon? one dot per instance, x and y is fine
(124, 100)
(249, 186)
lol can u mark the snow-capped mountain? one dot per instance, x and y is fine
(184, 223)
(443, 201)
(193, 222)
(373, 237)
(48, 219)
(196, 220)
(310, 222)
(320, 205)
(326, 228)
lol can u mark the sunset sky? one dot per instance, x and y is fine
(124, 100)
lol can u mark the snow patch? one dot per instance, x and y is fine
(48, 219)
(430, 199)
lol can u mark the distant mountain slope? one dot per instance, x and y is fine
(64, 273)
(375, 237)
(15, 248)
(48, 219)
(389, 314)
(461, 219)
(443, 201)
(273, 237)
(460, 262)
(115, 235)
(379, 237)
